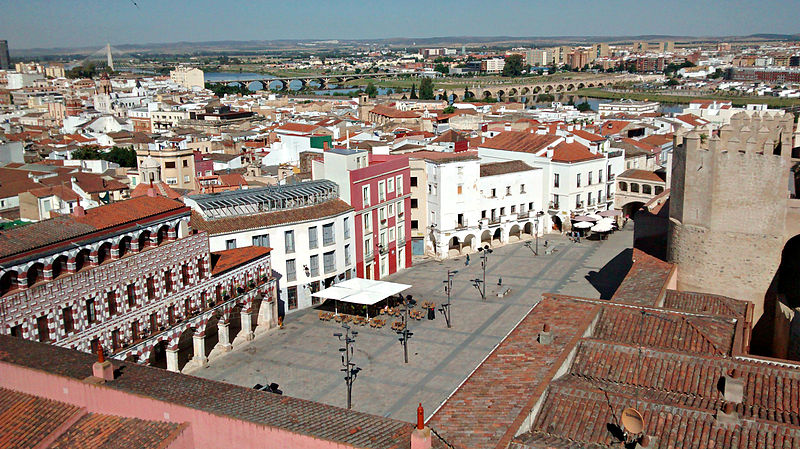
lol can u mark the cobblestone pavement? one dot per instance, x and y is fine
(303, 357)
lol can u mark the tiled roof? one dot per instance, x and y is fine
(159, 188)
(255, 221)
(502, 168)
(524, 142)
(61, 191)
(692, 119)
(27, 420)
(645, 175)
(573, 152)
(260, 408)
(591, 137)
(222, 261)
(657, 139)
(645, 282)
(443, 157)
(297, 128)
(393, 113)
(705, 303)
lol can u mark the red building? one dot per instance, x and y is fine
(378, 188)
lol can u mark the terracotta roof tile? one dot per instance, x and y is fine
(393, 113)
(502, 168)
(644, 175)
(114, 432)
(443, 157)
(222, 261)
(524, 142)
(573, 152)
(645, 282)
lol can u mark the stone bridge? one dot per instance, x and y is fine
(528, 91)
(323, 80)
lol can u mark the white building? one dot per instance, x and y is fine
(495, 65)
(188, 77)
(628, 107)
(309, 229)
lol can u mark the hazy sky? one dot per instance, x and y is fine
(74, 23)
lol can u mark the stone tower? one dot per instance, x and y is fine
(728, 206)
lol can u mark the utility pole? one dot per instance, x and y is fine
(481, 284)
(348, 367)
(405, 334)
(448, 287)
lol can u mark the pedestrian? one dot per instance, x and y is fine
(578, 237)
(545, 244)
(466, 262)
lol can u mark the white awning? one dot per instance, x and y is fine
(361, 291)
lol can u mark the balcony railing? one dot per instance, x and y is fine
(525, 214)
(494, 220)
(554, 205)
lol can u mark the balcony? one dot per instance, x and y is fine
(611, 178)
(554, 205)
(523, 215)
(369, 255)
(462, 225)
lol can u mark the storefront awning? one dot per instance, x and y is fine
(361, 291)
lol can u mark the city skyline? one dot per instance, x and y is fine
(92, 23)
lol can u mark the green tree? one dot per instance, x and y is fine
(467, 94)
(441, 68)
(413, 94)
(426, 89)
(125, 157)
(444, 96)
(371, 90)
(672, 82)
(449, 110)
(513, 66)
(584, 107)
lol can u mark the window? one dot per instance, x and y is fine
(590, 179)
(313, 265)
(169, 164)
(555, 180)
(589, 198)
(634, 187)
(599, 196)
(400, 208)
(460, 189)
(186, 178)
(291, 271)
(494, 193)
(390, 185)
(368, 247)
(346, 225)
(313, 288)
(381, 191)
(365, 196)
(659, 190)
(150, 287)
(347, 254)
(291, 297)
(508, 190)
(399, 184)
(167, 281)
(579, 179)
(312, 237)
(414, 224)
(131, 291)
(600, 175)
(47, 205)
(44, 331)
(413, 181)
(382, 214)
(502, 211)
(329, 260)
(513, 209)
(483, 214)
(289, 240)
(391, 234)
(185, 163)
(578, 201)
(368, 221)
(328, 237)
(261, 240)
(383, 239)
(112, 303)
(230, 244)
(391, 210)
(401, 232)
(522, 188)
(414, 203)
(623, 186)
(91, 313)
(69, 323)
(115, 341)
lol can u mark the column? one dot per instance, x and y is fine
(22, 279)
(152, 242)
(114, 252)
(135, 245)
(172, 360)
(47, 272)
(224, 337)
(268, 312)
(72, 265)
(172, 234)
(93, 258)
(247, 325)
(199, 344)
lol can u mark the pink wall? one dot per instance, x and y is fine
(206, 430)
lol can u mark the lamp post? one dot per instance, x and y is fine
(538, 215)
(448, 287)
(480, 284)
(405, 334)
(349, 368)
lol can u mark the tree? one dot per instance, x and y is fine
(449, 110)
(125, 157)
(441, 68)
(444, 96)
(584, 107)
(426, 89)
(467, 93)
(672, 82)
(513, 66)
(371, 90)
(413, 94)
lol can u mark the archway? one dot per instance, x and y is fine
(59, 266)
(548, 89)
(570, 87)
(211, 335)
(537, 89)
(514, 234)
(81, 259)
(487, 95)
(629, 210)
(497, 238)
(35, 273)
(163, 232)
(183, 229)
(453, 247)
(125, 245)
(144, 240)
(469, 244)
(104, 253)
(557, 224)
(235, 322)
(185, 347)
(486, 237)
(158, 355)
(527, 230)
(8, 282)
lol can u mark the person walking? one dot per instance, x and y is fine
(466, 262)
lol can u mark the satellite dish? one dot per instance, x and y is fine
(632, 421)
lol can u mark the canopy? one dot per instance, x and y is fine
(361, 291)
(584, 218)
(583, 224)
(595, 217)
(610, 213)
(603, 226)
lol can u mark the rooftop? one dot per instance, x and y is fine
(569, 153)
(502, 168)
(524, 142)
(644, 175)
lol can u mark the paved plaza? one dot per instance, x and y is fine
(303, 357)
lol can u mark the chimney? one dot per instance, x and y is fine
(79, 211)
(545, 337)
(151, 192)
(647, 442)
(421, 436)
(507, 127)
(728, 415)
(570, 138)
(325, 146)
(102, 369)
(733, 386)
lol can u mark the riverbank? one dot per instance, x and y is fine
(774, 102)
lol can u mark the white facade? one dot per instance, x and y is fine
(188, 77)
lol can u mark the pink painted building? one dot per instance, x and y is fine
(378, 188)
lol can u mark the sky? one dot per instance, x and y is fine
(92, 23)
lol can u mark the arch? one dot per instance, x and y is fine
(486, 237)
(185, 347)
(104, 253)
(647, 189)
(528, 229)
(590, 85)
(59, 265)
(581, 85)
(82, 259)
(788, 283)
(235, 322)
(570, 87)
(211, 333)
(629, 210)
(513, 92)
(144, 239)
(501, 95)
(497, 237)
(525, 91)
(158, 355)
(125, 245)
(35, 273)
(600, 84)
(454, 247)
(658, 190)
(548, 89)
(468, 94)
(8, 281)
(469, 243)
(623, 186)
(487, 95)
(537, 89)
(559, 88)
(183, 229)
(453, 97)
(162, 234)
(515, 232)
(558, 225)
(634, 187)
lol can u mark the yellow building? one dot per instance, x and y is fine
(172, 165)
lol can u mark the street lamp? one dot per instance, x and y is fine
(405, 334)
(349, 368)
(448, 287)
(480, 284)
(538, 215)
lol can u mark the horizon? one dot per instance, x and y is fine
(93, 23)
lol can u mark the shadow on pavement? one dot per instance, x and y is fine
(607, 280)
